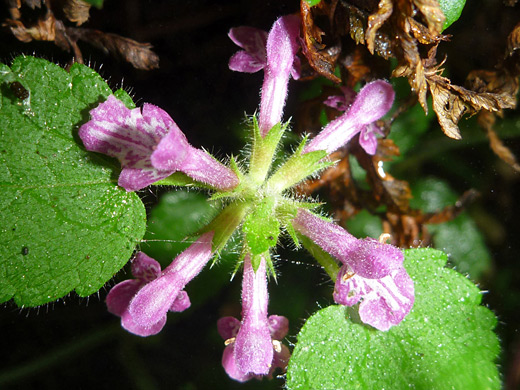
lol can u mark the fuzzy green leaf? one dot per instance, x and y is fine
(446, 342)
(66, 225)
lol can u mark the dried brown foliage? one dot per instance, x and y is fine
(51, 25)
(357, 35)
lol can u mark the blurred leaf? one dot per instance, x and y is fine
(95, 3)
(446, 342)
(460, 238)
(177, 215)
(66, 225)
(451, 10)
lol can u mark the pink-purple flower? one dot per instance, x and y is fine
(370, 104)
(253, 347)
(142, 303)
(277, 56)
(372, 271)
(150, 146)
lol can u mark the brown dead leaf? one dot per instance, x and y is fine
(42, 30)
(432, 14)
(376, 20)
(451, 102)
(76, 11)
(321, 57)
(486, 120)
(138, 54)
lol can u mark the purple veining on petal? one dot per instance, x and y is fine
(150, 146)
(385, 302)
(371, 103)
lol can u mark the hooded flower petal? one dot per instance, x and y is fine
(145, 269)
(153, 301)
(149, 145)
(384, 302)
(367, 257)
(282, 45)
(253, 347)
(253, 57)
(371, 103)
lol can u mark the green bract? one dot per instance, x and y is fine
(446, 342)
(66, 225)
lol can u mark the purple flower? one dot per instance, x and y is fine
(277, 56)
(253, 347)
(150, 146)
(371, 103)
(142, 303)
(372, 271)
(384, 302)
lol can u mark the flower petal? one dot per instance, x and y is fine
(228, 327)
(229, 364)
(371, 103)
(278, 326)
(373, 259)
(130, 325)
(243, 61)
(145, 268)
(253, 347)
(154, 300)
(120, 296)
(181, 303)
(329, 236)
(251, 39)
(368, 140)
(385, 301)
(282, 45)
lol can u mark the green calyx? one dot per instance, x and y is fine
(261, 204)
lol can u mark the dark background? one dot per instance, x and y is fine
(74, 343)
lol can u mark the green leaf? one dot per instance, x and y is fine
(261, 227)
(312, 3)
(460, 238)
(66, 225)
(95, 3)
(446, 342)
(452, 10)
